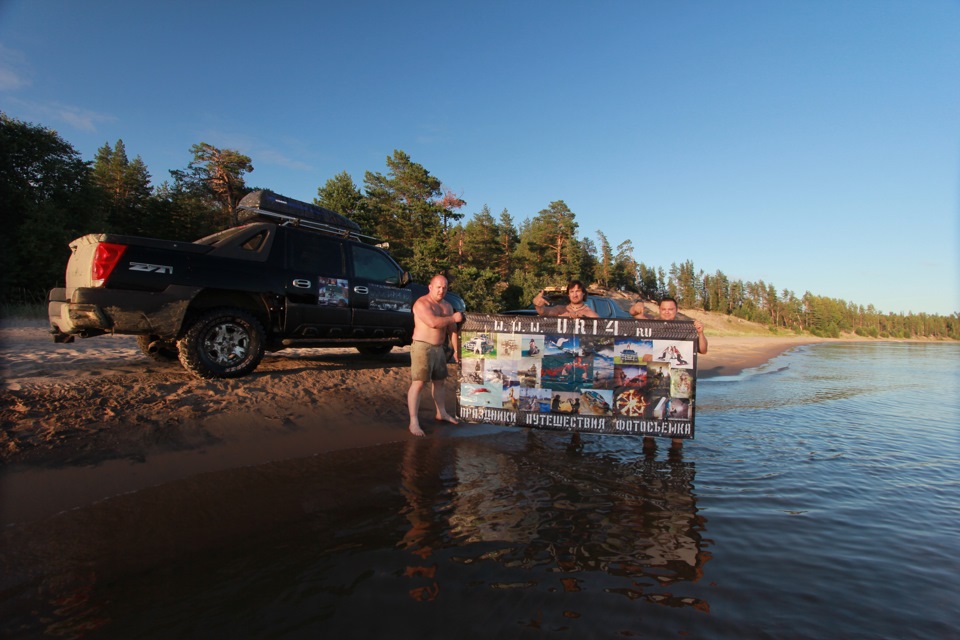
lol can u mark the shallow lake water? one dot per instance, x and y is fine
(819, 499)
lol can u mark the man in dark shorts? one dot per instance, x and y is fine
(433, 321)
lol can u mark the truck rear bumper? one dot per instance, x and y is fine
(93, 312)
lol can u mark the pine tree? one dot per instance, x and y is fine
(404, 204)
(624, 274)
(220, 172)
(507, 239)
(126, 188)
(604, 274)
(340, 194)
(481, 242)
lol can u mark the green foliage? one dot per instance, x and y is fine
(550, 241)
(830, 330)
(481, 242)
(430, 257)
(125, 187)
(340, 194)
(507, 239)
(482, 289)
(648, 283)
(52, 196)
(525, 284)
(184, 213)
(686, 285)
(213, 181)
(48, 200)
(623, 276)
(717, 293)
(604, 269)
(404, 205)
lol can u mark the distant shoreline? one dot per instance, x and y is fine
(729, 355)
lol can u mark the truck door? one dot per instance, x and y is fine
(317, 290)
(381, 307)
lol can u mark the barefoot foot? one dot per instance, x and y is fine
(416, 430)
(447, 418)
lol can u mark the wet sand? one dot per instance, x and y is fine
(729, 356)
(96, 418)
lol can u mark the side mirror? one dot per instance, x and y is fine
(404, 278)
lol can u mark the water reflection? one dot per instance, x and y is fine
(553, 517)
(505, 533)
(308, 544)
(421, 472)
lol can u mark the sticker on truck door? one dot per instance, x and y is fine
(333, 292)
(390, 298)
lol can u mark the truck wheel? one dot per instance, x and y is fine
(375, 350)
(223, 343)
(159, 350)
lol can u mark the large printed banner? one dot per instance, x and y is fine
(634, 377)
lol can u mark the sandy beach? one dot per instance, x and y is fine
(100, 398)
(100, 409)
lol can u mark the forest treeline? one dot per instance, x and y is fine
(51, 195)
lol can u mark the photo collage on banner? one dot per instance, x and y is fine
(585, 374)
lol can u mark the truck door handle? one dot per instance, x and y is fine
(300, 283)
(361, 290)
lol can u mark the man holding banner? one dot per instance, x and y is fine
(577, 308)
(668, 312)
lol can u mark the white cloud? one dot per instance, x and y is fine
(82, 119)
(260, 151)
(10, 80)
(15, 75)
(272, 156)
(14, 70)
(54, 114)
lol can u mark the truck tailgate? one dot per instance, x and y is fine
(79, 273)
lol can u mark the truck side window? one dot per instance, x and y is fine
(315, 255)
(254, 242)
(373, 266)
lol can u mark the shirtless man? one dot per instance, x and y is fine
(433, 320)
(577, 308)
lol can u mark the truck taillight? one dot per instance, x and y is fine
(105, 258)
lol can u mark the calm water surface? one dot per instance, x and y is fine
(819, 500)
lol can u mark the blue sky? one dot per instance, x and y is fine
(813, 145)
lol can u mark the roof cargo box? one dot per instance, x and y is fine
(266, 203)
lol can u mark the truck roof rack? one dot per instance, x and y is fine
(294, 221)
(291, 212)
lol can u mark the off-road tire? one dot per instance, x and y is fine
(167, 352)
(375, 350)
(222, 343)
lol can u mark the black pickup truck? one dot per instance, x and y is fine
(290, 275)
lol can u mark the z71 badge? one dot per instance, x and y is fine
(150, 268)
